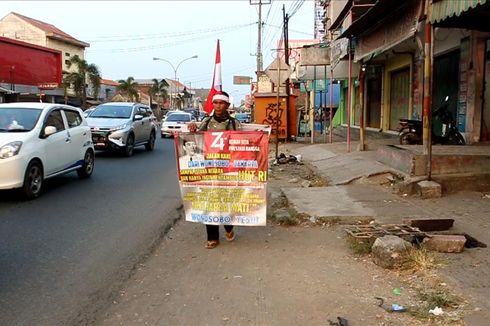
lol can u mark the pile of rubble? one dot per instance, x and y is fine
(389, 244)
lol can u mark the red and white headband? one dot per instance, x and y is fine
(221, 97)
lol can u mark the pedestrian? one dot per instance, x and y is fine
(219, 120)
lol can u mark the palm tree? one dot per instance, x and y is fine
(180, 101)
(159, 88)
(78, 79)
(130, 88)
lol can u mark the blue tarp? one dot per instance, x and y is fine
(322, 96)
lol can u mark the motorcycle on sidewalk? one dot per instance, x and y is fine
(410, 131)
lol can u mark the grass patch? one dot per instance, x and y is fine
(420, 260)
(431, 295)
(360, 246)
(286, 216)
(435, 298)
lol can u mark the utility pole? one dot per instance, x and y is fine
(286, 56)
(259, 41)
(260, 66)
(259, 36)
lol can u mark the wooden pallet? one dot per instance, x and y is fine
(404, 231)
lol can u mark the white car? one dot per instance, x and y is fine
(40, 141)
(176, 122)
(169, 113)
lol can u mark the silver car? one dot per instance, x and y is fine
(122, 126)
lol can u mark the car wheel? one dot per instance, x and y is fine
(150, 145)
(33, 180)
(128, 150)
(88, 165)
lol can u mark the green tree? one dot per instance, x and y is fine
(158, 88)
(78, 79)
(130, 88)
(179, 101)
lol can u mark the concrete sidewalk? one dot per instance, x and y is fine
(470, 271)
(303, 275)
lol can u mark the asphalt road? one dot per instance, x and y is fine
(63, 255)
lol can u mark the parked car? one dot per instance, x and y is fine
(122, 126)
(175, 122)
(243, 117)
(42, 140)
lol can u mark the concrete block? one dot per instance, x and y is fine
(429, 189)
(389, 251)
(445, 243)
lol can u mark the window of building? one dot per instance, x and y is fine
(67, 54)
(67, 62)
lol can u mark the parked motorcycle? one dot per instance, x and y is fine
(410, 131)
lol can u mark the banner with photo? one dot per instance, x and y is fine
(223, 176)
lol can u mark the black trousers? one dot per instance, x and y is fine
(213, 231)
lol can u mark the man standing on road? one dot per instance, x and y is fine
(219, 120)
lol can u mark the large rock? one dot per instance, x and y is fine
(389, 251)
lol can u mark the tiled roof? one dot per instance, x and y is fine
(109, 82)
(144, 81)
(51, 30)
(148, 82)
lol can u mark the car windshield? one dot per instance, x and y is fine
(87, 112)
(18, 119)
(112, 111)
(179, 117)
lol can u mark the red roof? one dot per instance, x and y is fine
(51, 30)
(108, 82)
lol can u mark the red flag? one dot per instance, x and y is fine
(217, 86)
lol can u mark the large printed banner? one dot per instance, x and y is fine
(223, 176)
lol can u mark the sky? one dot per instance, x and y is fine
(125, 36)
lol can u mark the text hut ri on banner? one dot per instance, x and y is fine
(223, 176)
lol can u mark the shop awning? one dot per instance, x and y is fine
(6, 91)
(443, 9)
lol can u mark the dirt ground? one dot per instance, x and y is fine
(275, 275)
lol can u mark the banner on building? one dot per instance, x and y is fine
(223, 176)
(338, 50)
(312, 56)
(242, 80)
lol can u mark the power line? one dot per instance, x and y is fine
(296, 31)
(295, 7)
(269, 31)
(169, 44)
(118, 38)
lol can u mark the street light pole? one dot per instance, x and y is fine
(175, 68)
